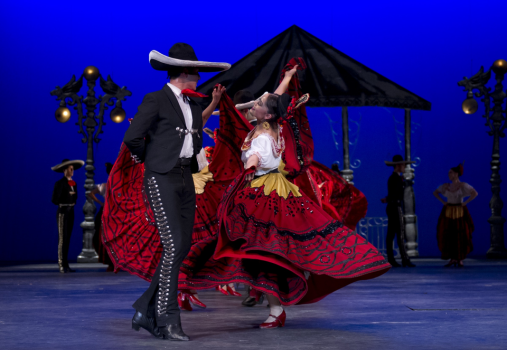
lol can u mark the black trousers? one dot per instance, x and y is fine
(65, 223)
(395, 228)
(172, 200)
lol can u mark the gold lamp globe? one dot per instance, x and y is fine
(118, 115)
(500, 66)
(91, 73)
(470, 105)
(62, 114)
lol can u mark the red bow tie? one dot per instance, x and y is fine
(72, 183)
(192, 93)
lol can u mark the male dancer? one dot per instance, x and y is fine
(395, 210)
(166, 134)
(65, 196)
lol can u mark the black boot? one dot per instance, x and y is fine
(252, 300)
(148, 323)
(62, 268)
(173, 332)
(407, 263)
(249, 301)
(393, 262)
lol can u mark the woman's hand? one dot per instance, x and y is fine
(291, 72)
(249, 177)
(217, 93)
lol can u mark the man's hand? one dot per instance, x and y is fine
(383, 200)
(217, 93)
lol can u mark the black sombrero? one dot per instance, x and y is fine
(398, 159)
(243, 99)
(182, 55)
(59, 168)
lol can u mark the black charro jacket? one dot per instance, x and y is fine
(152, 135)
(61, 192)
(395, 190)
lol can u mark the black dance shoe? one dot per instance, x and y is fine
(249, 301)
(148, 323)
(173, 332)
(68, 269)
(407, 263)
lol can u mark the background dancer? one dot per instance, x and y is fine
(395, 211)
(65, 196)
(455, 225)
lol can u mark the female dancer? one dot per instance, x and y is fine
(455, 225)
(213, 180)
(271, 235)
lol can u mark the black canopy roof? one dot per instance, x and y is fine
(332, 78)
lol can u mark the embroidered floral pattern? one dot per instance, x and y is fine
(277, 147)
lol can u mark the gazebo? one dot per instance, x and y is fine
(332, 79)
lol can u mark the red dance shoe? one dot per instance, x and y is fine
(278, 322)
(233, 292)
(196, 302)
(222, 290)
(183, 302)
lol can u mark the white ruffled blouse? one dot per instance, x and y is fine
(266, 149)
(455, 196)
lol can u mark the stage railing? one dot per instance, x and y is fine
(374, 229)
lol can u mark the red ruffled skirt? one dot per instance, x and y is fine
(454, 232)
(341, 200)
(280, 242)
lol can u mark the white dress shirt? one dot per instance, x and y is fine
(187, 151)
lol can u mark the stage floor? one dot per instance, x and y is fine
(427, 307)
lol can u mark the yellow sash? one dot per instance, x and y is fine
(454, 211)
(276, 182)
(201, 178)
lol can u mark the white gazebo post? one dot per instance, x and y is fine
(347, 173)
(409, 198)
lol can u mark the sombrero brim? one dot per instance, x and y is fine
(61, 167)
(162, 62)
(248, 105)
(396, 163)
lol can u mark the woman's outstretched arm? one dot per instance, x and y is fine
(284, 85)
(217, 95)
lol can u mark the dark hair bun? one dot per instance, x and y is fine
(282, 105)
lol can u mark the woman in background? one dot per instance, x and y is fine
(455, 225)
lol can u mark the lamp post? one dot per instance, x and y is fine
(67, 95)
(495, 119)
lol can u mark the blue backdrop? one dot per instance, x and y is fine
(425, 48)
